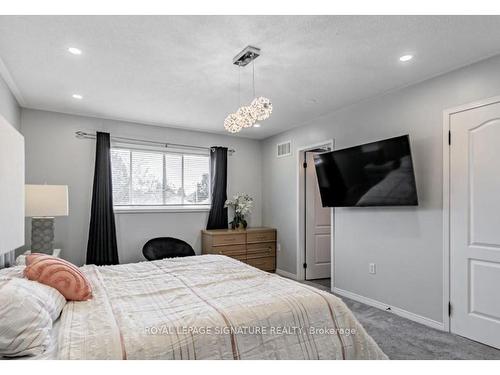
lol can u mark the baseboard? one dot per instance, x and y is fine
(286, 274)
(395, 310)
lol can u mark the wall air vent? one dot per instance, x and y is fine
(284, 149)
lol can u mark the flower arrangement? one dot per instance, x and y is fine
(242, 204)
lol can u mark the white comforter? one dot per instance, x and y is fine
(207, 307)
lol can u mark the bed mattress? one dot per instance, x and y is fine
(207, 307)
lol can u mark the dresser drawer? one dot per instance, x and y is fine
(229, 239)
(241, 258)
(231, 250)
(254, 246)
(263, 236)
(265, 264)
(261, 250)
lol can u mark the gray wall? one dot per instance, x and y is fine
(55, 156)
(405, 243)
(9, 108)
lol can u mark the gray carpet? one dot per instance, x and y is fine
(401, 338)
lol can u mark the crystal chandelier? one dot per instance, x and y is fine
(259, 109)
(245, 116)
(232, 123)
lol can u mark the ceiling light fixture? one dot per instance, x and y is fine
(77, 96)
(256, 125)
(74, 51)
(259, 109)
(405, 58)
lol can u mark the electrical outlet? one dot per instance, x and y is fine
(372, 269)
(278, 247)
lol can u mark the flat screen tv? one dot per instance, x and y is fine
(374, 174)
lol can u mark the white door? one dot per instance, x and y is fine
(475, 224)
(318, 229)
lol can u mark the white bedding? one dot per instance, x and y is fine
(207, 307)
(51, 351)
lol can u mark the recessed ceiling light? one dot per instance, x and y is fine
(405, 58)
(256, 125)
(75, 51)
(77, 96)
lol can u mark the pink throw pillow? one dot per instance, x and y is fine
(59, 274)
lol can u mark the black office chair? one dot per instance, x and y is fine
(166, 247)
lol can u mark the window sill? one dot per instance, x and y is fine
(159, 209)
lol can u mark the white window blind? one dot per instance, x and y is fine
(153, 178)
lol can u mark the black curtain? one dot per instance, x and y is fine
(101, 247)
(217, 219)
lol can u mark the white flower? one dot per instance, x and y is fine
(242, 203)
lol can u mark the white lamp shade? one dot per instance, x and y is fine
(46, 200)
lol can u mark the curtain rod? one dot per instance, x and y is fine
(83, 135)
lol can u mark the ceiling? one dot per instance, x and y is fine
(177, 70)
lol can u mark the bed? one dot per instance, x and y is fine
(206, 307)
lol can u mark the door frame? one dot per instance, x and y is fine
(446, 197)
(300, 217)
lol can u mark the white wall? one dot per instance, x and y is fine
(9, 108)
(404, 242)
(55, 156)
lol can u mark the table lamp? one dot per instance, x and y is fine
(43, 203)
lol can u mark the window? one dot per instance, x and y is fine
(153, 178)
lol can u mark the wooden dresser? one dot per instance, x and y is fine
(254, 246)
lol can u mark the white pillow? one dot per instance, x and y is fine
(27, 311)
